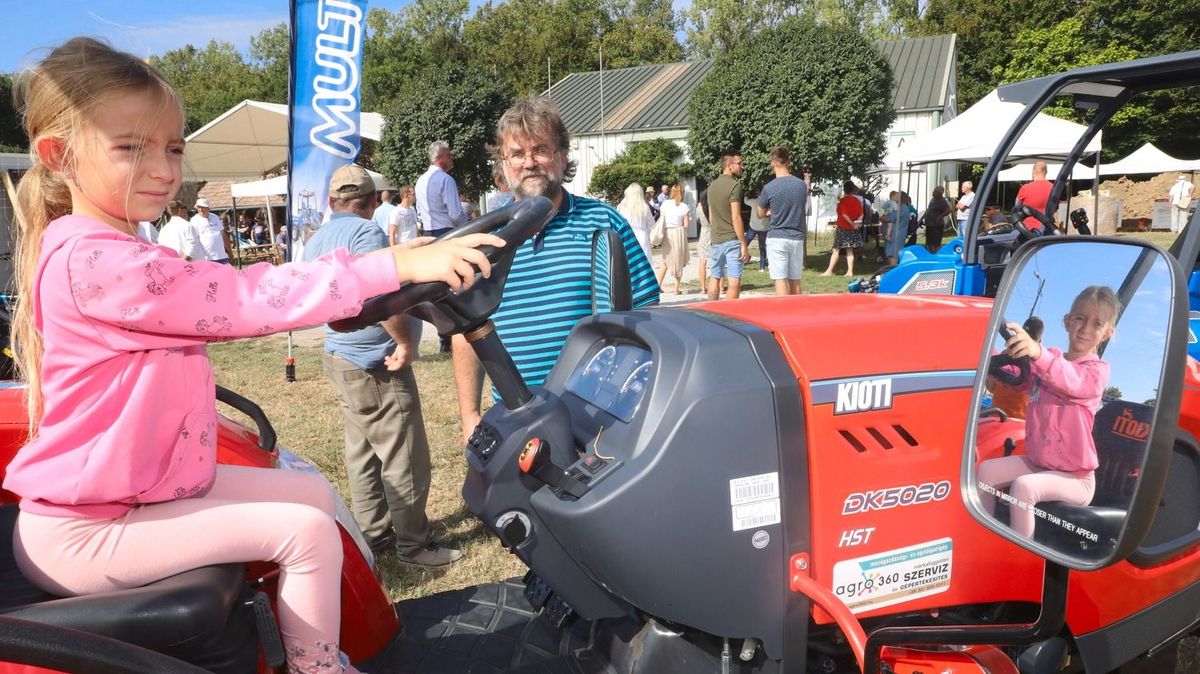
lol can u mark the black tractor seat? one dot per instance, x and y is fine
(200, 616)
(1120, 450)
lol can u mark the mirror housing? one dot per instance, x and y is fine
(1094, 414)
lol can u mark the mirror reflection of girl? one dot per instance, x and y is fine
(1060, 459)
(119, 484)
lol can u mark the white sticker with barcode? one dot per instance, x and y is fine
(754, 501)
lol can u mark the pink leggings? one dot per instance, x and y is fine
(249, 514)
(1032, 485)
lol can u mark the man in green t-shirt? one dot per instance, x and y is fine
(728, 251)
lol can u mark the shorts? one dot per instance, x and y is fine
(785, 258)
(725, 255)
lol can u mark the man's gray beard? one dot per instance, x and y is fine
(551, 186)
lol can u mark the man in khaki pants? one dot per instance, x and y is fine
(387, 453)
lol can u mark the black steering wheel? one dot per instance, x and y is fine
(1021, 211)
(1001, 361)
(454, 313)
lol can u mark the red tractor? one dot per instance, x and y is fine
(725, 488)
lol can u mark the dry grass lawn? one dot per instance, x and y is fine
(308, 421)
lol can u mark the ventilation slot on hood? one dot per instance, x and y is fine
(883, 442)
(905, 434)
(849, 437)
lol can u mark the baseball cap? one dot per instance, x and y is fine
(201, 203)
(350, 181)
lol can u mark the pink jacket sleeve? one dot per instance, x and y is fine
(140, 296)
(1081, 381)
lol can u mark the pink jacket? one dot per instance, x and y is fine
(1058, 430)
(130, 413)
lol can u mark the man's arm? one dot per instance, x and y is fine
(397, 329)
(739, 229)
(453, 205)
(468, 381)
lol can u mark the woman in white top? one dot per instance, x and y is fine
(402, 221)
(677, 217)
(635, 211)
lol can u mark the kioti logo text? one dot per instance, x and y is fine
(861, 396)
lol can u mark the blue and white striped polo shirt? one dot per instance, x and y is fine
(549, 288)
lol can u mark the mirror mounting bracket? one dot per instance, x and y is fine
(1049, 623)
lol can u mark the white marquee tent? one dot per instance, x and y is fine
(1024, 173)
(974, 135)
(1148, 159)
(248, 140)
(278, 186)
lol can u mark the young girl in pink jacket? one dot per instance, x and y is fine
(1060, 459)
(119, 483)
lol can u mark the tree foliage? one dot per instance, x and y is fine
(648, 163)
(271, 59)
(1044, 51)
(833, 113)
(458, 105)
(209, 80)
(12, 137)
(529, 44)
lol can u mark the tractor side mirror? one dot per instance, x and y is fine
(611, 289)
(1073, 469)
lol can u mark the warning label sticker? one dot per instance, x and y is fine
(754, 501)
(895, 576)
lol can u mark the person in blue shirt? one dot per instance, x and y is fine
(549, 288)
(387, 452)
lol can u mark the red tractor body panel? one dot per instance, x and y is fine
(886, 478)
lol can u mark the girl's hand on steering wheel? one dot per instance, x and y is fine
(453, 261)
(1021, 345)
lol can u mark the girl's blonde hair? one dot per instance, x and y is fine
(56, 98)
(1101, 295)
(633, 206)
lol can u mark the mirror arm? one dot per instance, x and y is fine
(498, 364)
(1049, 622)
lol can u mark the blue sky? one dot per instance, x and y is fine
(29, 27)
(143, 27)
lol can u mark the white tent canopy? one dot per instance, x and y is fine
(1148, 159)
(278, 186)
(974, 135)
(1024, 173)
(248, 140)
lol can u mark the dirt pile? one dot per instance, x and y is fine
(1138, 195)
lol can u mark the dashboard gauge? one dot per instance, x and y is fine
(601, 365)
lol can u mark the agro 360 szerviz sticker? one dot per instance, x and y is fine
(895, 576)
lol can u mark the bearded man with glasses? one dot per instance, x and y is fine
(550, 286)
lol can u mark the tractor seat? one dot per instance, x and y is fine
(1120, 432)
(158, 616)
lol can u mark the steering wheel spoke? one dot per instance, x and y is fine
(450, 312)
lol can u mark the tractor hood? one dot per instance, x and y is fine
(837, 336)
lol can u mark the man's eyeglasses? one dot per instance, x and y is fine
(541, 155)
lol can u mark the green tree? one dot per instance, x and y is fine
(652, 162)
(400, 47)
(984, 30)
(12, 137)
(833, 113)
(454, 104)
(1066, 45)
(270, 56)
(528, 44)
(715, 27)
(209, 80)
